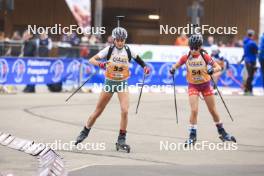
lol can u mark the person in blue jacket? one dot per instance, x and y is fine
(250, 57)
(261, 57)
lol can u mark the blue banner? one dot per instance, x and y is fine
(38, 70)
(233, 77)
(52, 70)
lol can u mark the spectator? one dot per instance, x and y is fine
(210, 41)
(109, 41)
(250, 56)
(2, 36)
(44, 45)
(221, 44)
(182, 40)
(75, 41)
(15, 45)
(85, 39)
(93, 40)
(2, 39)
(239, 43)
(261, 57)
(70, 46)
(29, 50)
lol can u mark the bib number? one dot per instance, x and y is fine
(118, 69)
(196, 72)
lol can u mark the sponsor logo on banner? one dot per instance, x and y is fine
(4, 69)
(56, 70)
(158, 53)
(139, 71)
(87, 69)
(19, 69)
(165, 70)
(73, 70)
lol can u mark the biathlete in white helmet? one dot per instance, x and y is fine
(116, 68)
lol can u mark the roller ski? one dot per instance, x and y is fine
(224, 136)
(192, 138)
(121, 143)
(83, 135)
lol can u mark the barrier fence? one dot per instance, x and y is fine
(14, 71)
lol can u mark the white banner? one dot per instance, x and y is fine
(163, 53)
(81, 10)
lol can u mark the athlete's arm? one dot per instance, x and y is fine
(102, 54)
(210, 61)
(94, 60)
(216, 67)
(182, 61)
(140, 61)
(137, 58)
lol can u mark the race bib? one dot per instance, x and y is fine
(117, 72)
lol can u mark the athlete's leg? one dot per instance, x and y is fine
(193, 100)
(224, 136)
(250, 68)
(102, 102)
(210, 102)
(123, 97)
(124, 105)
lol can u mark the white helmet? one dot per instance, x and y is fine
(119, 33)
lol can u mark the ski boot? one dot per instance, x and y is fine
(83, 134)
(192, 138)
(224, 136)
(121, 143)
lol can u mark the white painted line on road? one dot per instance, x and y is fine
(82, 167)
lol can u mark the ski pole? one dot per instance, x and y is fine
(144, 76)
(80, 86)
(221, 98)
(175, 102)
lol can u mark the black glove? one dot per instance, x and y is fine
(172, 71)
(210, 71)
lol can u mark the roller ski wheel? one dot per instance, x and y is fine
(227, 138)
(192, 138)
(121, 143)
(190, 142)
(83, 135)
(123, 147)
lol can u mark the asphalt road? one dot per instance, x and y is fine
(153, 135)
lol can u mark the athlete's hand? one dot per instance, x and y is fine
(210, 71)
(146, 70)
(102, 65)
(172, 71)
